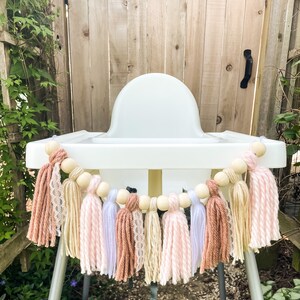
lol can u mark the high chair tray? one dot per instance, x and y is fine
(96, 150)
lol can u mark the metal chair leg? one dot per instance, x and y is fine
(221, 280)
(253, 276)
(59, 272)
(86, 287)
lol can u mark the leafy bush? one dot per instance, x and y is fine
(282, 293)
(30, 85)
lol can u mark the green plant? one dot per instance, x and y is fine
(31, 90)
(282, 293)
(288, 128)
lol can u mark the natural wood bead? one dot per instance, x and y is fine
(184, 200)
(144, 202)
(163, 203)
(68, 165)
(221, 179)
(122, 196)
(51, 146)
(103, 189)
(202, 191)
(239, 166)
(258, 148)
(204, 201)
(83, 180)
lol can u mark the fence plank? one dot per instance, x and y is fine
(99, 65)
(12, 248)
(117, 20)
(214, 32)
(194, 47)
(80, 62)
(61, 60)
(175, 33)
(251, 40)
(231, 64)
(156, 36)
(137, 52)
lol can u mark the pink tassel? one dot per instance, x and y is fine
(176, 254)
(42, 226)
(264, 204)
(92, 252)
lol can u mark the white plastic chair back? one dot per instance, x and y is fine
(155, 106)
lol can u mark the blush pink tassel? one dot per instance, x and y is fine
(176, 259)
(92, 252)
(264, 204)
(42, 226)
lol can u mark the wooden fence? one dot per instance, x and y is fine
(199, 42)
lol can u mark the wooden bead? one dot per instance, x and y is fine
(163, 203)
(202, 191)
(122, 196)
(239, 166)
(144, 202)
(258, 148)
(184, 200)
(51, 146)
(221, 179)
(68, 165)
(103, 189)
(83, 180)
(204, 201)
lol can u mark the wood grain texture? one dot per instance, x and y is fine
(175, 37)
(61, 61)
(251, 40)
(156, 36)
(137, 50)
(99, 65)
(194, 47)
(214, 35)
(118, 47)
(80, 64)
(231, 64)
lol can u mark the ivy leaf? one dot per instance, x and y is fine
(292, 149)
(290, 134)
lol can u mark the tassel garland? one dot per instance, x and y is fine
(197, 230)
(92, 252)
(217, 242)
(152, 243)
(264, 204)
(72, 194)
(176, 253)
(109, 216)
(42, 226)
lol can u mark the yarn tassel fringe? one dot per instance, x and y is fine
(92, 251)
(217, 238)
(176, 253)
(42, 226)
(264, 204)
(152, 243)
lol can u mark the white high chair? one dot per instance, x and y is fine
(155, 143)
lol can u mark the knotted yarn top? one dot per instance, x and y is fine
(76, 173)
(133, 202)
(94, 183)
(153, 204)
(194, 199)
(112, 196)
(57, 156)
(232, 176)
(251, 160)
(213, 188)
(173, 203)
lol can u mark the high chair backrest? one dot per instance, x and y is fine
(155, 105)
